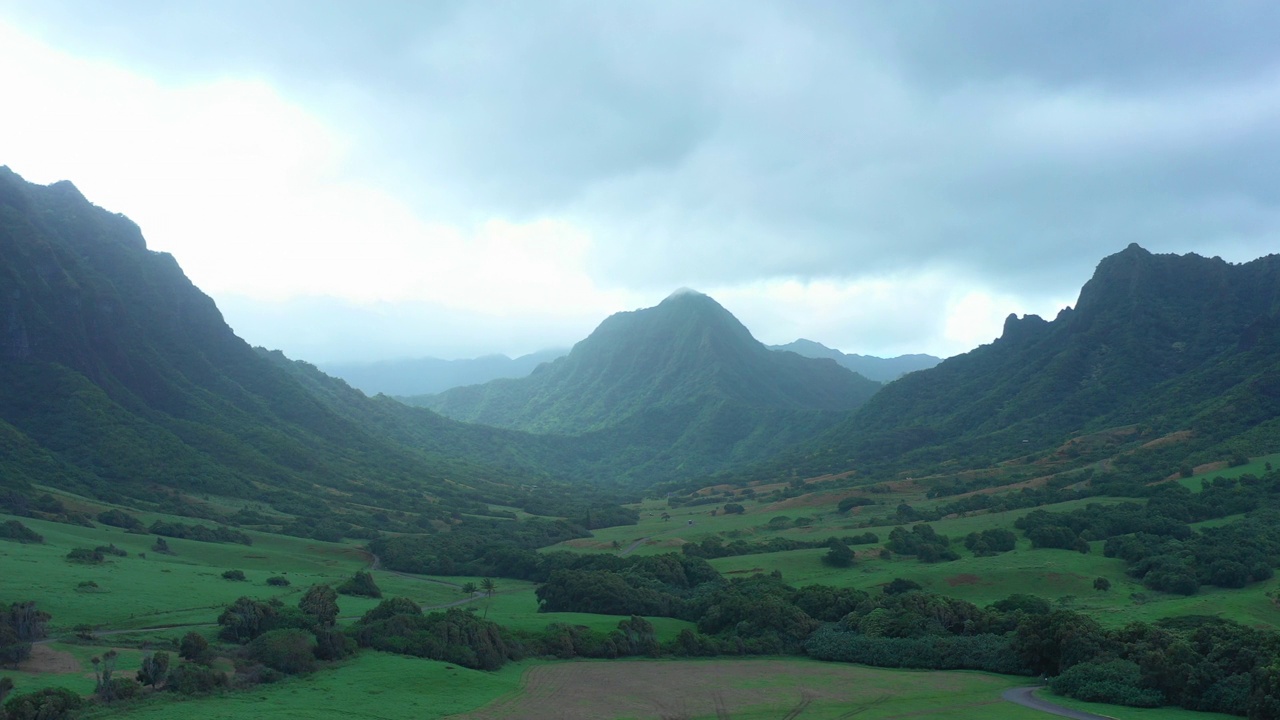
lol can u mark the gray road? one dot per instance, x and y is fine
(1023, 697)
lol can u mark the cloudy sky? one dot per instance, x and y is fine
(356, 181)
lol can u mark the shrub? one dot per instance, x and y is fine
(54, 703)
(236, 575)
(17, 532)
(85, 555)
(278, 581)
(362, 585)
(192, 679)
(120, 519)
(111, 550)
(288, 651)
(1118, 682)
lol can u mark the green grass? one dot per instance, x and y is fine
(1256, 466)
(371, 685)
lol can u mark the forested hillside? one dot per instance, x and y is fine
(121, 379)
(1165, 343)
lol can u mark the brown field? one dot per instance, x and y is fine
(725, 688)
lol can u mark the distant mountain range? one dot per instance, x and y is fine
(427, 376)
(120, 378)
(870, 367)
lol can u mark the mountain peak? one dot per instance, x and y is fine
(684, 292)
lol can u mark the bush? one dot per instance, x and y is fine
(362, 585)
(236, 575)
(52, 703)
(16, 531)
(278, 581)
(121, 519)
(192, 679)
(111, 550)
(288, 651)
(85, 555)
(1118, 682)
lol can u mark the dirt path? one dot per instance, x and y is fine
(1023, 696)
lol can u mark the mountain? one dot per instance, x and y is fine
(868, 366)
(1165, 343)
(427, 376)
(120, 379)
(681, 388)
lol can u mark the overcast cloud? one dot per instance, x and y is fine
(459, 178)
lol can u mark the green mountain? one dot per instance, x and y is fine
(424, 376)
(1166, 343)
(120, 378)
(676, 390)
(868, 366)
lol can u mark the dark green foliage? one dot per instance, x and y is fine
(333, 644)
(6, 687)
(455, 636)
(1118, 682)
(390, 608)
(161, 546)
(195, 679)
(361, 584)
(852, 502)
(734, 509)
(1101, 584)
(195, 648)
(897, 586)
(237, 575)
(154, 669)
(477, 547)
(923, 542)
(320, 603)
(990, 542)
(1023, 603)
(86, 555)
(246, 619)
(200, 533)
(277, 581)
(121, 519)
(291, 652)
(825, 603)
(54, 703)
(111, 550)
(988, 652)
(839, 555)
(633, 637)
(16, 531)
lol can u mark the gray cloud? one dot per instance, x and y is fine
(716, 143)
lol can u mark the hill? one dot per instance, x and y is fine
(426, 376)
(868, 366)
(122, 380)
(675, 390)
(1163, 343)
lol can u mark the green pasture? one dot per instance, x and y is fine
(1128, 713)
(370, 685)
(1255, 466)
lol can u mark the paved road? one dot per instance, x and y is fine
(1023, 696)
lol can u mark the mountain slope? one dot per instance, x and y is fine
(121, 378)
(688, 350)
(1169, 342)
(868, 366)
(424, 376)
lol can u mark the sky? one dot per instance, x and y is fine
(363, 181)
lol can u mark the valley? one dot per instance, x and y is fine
(705, 526)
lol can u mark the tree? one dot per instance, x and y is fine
(839, 555)
(243, 620)
(1102, 584)
(490, 589)
(103, 668)
(361, 584)
(154, 669)
(194, 648)
(321, 603)
(469, 589)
